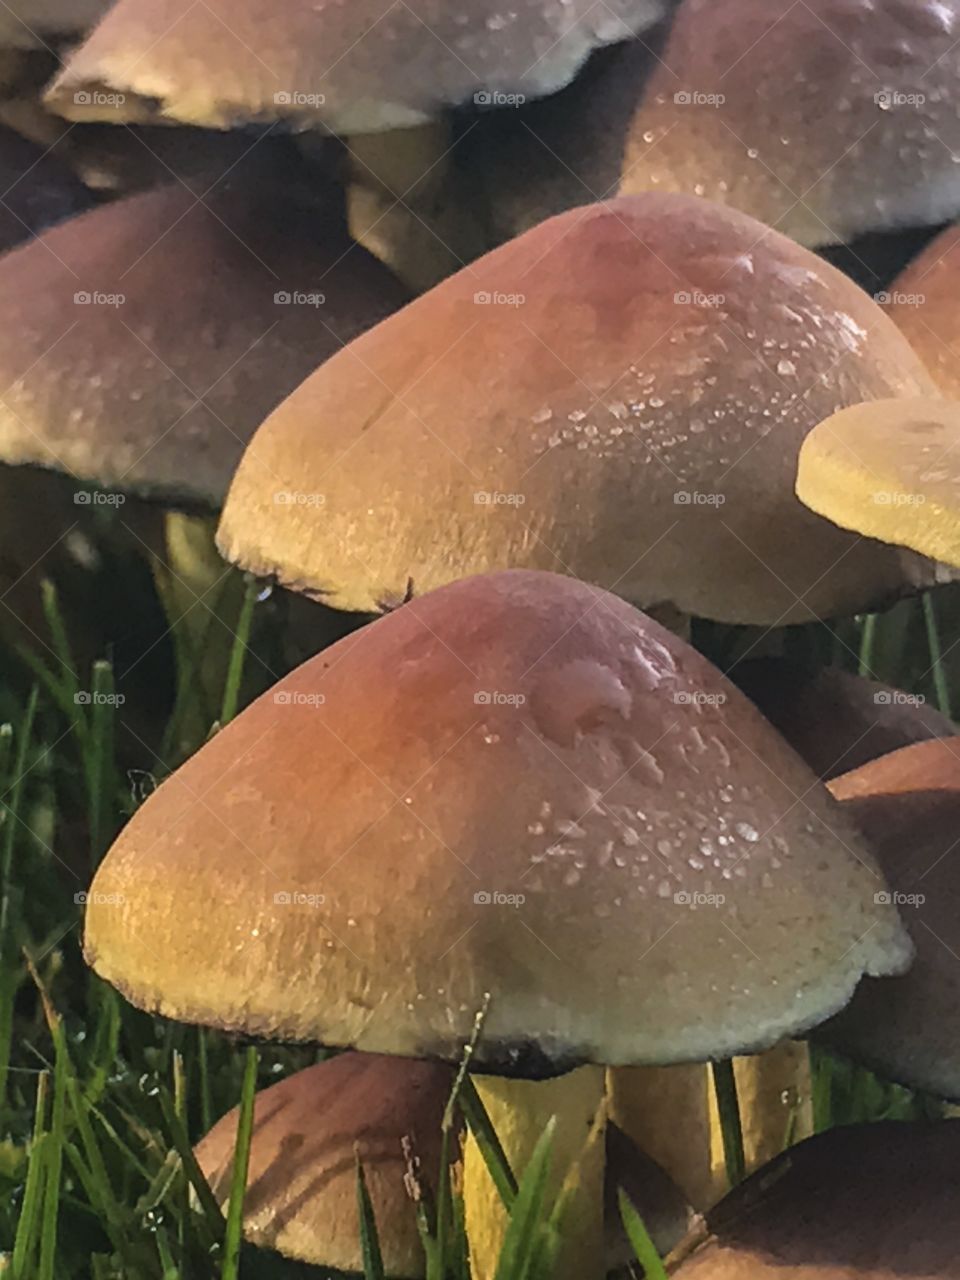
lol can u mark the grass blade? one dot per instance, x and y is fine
(489, 1145)
(728, 1107)
(522, 1237)
(29, 1226)
(639, 1237)
(238, 653)
(233, 1237)
(940, 684)
(369, 1238)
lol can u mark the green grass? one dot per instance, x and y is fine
(99, 1104)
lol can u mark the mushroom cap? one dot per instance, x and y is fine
(351, 68)
(889, 470)
(908, 807)
(922, 302)
(620, 394)
(519, 786)
(864, 1202)
(834, 720)
(824, 119)
(309, 1130)
(38, 189)
(144, 341)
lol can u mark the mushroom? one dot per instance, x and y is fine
(620, 393)
(922, 302)
(907, 806)
(518, 789)
(889, 470)
(309, 1131)
(351, 69)
(834, 720)
(825, 119)
(863, 1202)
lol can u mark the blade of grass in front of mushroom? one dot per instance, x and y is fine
(26, 1245)
(522, 1237)
(369, 1239)
(233, 1237)
(936, 654)
(731, 1129)
(639, 1237)
(238, 652)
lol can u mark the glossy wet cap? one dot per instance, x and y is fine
(836, 720)
(308, 1132)
(889, 470)
(825, 119)
(907, 806)
(868, 1202)
(146, 339)
(517, 785)
(620, 394)
(923, 303)
(350, 68)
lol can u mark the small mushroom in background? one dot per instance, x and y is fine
(863, 1202)
(370, 67)
(620, 394)
(146, 339)
(308, 1133)
(823, 119)
(889, 470)
(924, 303)
(834, 720)
(907, 805)
(398, 832)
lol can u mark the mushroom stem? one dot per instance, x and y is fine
(519, 1111)
(671, 1114)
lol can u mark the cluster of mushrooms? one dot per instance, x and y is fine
(519, 327)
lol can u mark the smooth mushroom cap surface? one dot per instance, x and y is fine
(351, 68)
(309, 1130)
(907, 806)
(145, 340)
(620, 394)
(38, 190)
(889, 470)
(860, 1202)
(924, 303)
(519, 786)
(835, 720)
(825, 119)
